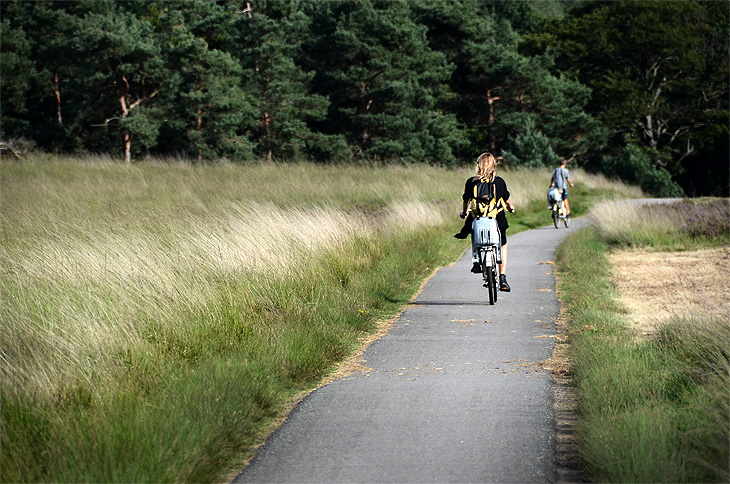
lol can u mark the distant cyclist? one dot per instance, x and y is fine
(486, 169)
(561, 180)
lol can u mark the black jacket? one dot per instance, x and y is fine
(502, 195)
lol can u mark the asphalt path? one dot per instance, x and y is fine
(454, 391)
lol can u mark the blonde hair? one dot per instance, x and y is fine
(486, 166)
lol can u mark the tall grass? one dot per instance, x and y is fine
(651, 409)
(156, 318)
(677, 226)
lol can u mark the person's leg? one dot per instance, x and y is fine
(503, 285)
(466, 229)
(503, 265)
(567, 208)
(476, 266)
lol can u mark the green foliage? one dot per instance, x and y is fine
(383, 81)
(670, 95)
(434, 81)
(210, 111)
(285, 103)
(496, 88)
(634, 164)
(531, 148)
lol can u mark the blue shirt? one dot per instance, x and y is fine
(560, 176)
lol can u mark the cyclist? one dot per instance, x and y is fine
(561, 180)
(486, 168)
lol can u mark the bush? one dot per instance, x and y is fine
(634, 165)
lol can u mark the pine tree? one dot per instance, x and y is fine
(286, 107)
(496, 88)
(530, 148)
(123, 71)
(37, 72)
(209, 114)
(384, 82)
(659, 77)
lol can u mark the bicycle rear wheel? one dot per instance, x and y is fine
(489, 261)
(555, 218)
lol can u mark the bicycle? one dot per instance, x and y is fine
(488, 244)
(559, 214)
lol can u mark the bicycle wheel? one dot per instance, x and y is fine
(487, 260)
(492, 276)
(566, 221)
(555, 218)
(491, 287)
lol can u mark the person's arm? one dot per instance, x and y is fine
(510, 205)
(465, 199)
(463, 210)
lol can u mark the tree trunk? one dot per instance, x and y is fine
(127, 135)
(490, 119)
(122, 98)
(57, 91)
(198, 128)
(267, 136)
(127, 148)
(267, 119)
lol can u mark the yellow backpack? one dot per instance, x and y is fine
(484, 201)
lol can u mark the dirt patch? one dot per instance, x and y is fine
(655, 286)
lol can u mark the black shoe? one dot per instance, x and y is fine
(461, 235)
(476, 268)
(503, 286)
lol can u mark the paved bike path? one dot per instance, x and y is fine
(452, 395)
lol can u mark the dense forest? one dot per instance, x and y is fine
(637, 90)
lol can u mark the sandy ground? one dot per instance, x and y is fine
(655, 286)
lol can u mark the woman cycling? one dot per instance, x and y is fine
(486, 168)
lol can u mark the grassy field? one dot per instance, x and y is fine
(158, 318)
(652, 408)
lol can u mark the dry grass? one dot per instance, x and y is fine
(656, 286)
(91, 251)
(664, 225)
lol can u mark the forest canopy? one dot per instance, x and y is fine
(637, 90)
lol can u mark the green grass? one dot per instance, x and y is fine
(651, 409)
(158, 318)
